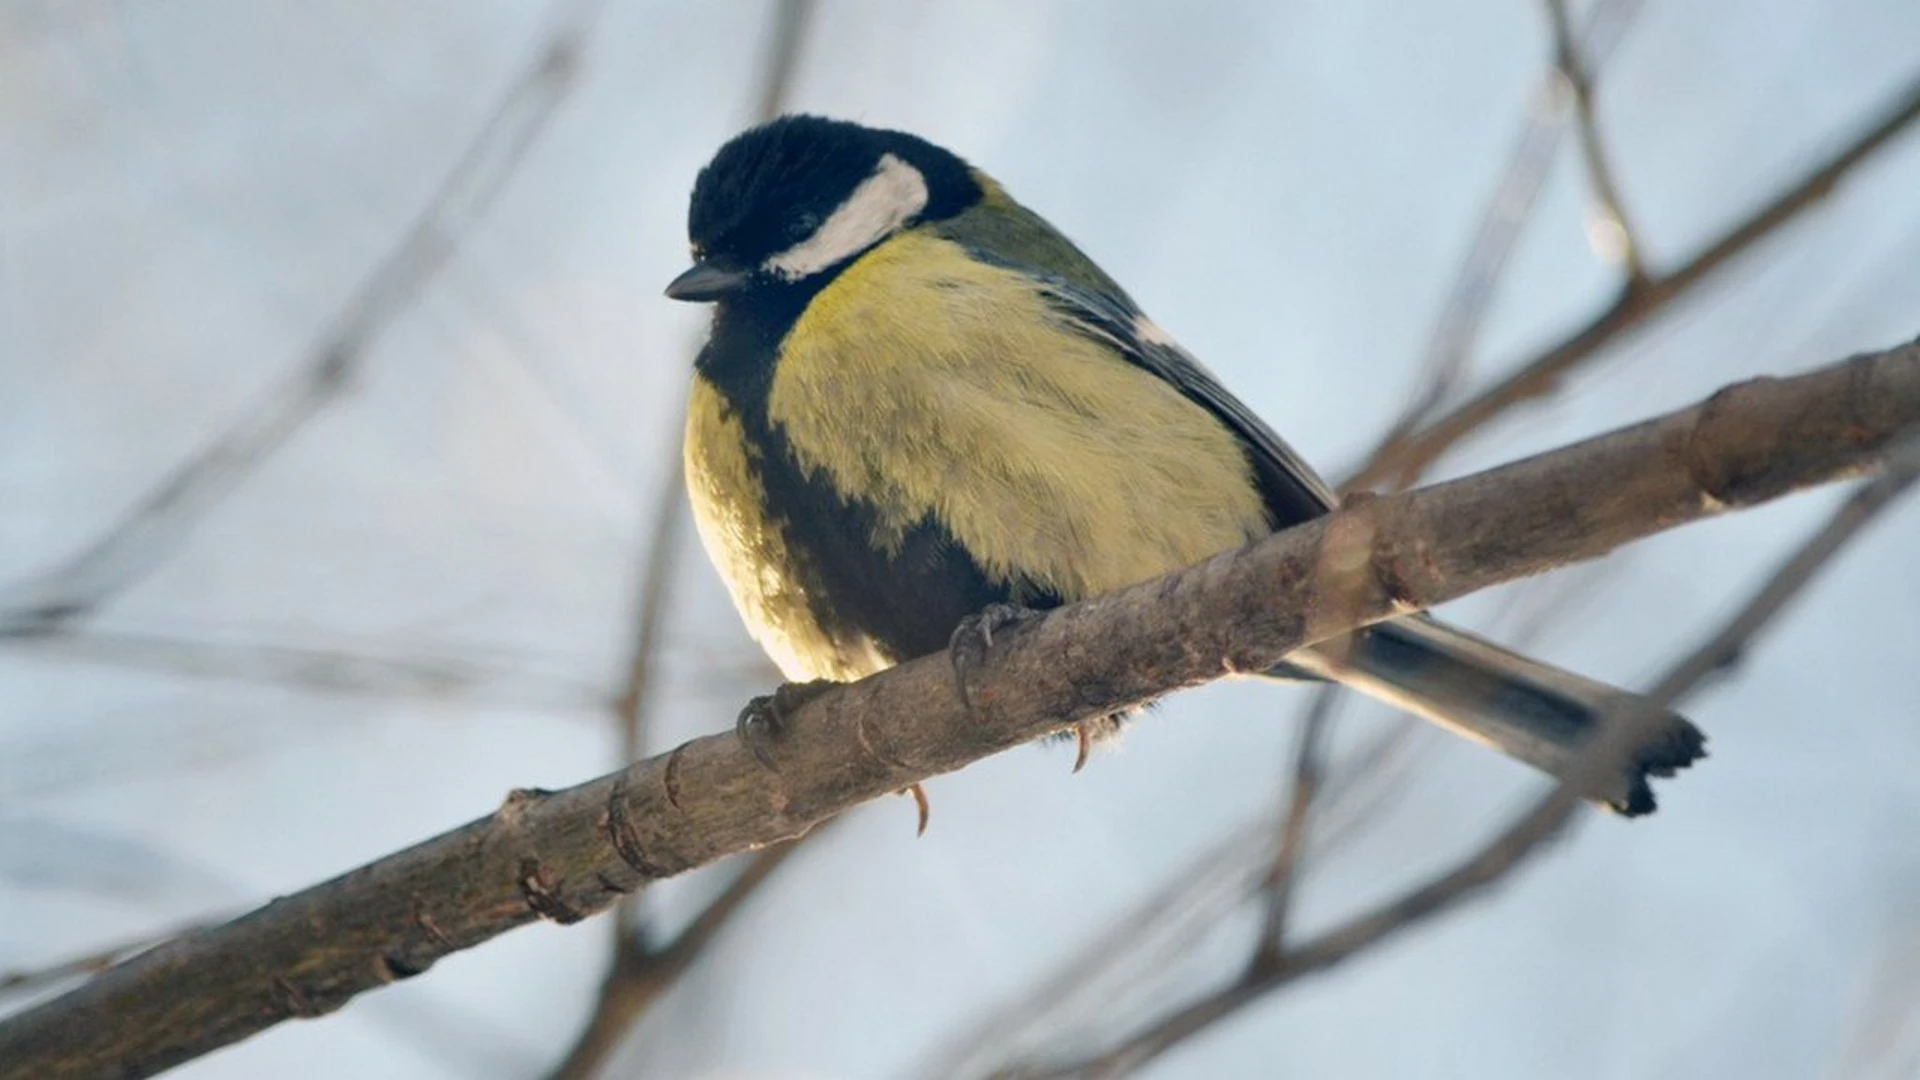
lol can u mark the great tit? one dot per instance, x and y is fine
(919, 401)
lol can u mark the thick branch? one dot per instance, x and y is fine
(639, 974)
(568, 854)
(639, 977)
(1273, 968)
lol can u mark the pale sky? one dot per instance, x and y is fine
(190, 190)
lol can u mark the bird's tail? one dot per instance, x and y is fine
(1526, 709)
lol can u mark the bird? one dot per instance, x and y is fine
(922, 413)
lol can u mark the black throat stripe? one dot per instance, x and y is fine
(906, 599)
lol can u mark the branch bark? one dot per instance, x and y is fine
(1274, 965)
(639, 972)
(568, 854)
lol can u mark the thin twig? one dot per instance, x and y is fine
(638, 974)
(1502, 221)
(1128, 959)
(1405, 458)
(1506, 214)
(1610, 232)
(650, 610)
(28, 980)
(1724, 650)
(154, 527)
(639, 977)
(1531, 830)
(1137, 956)
(314, 668)
(567, 854)
(1307, 773)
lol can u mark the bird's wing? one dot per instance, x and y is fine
(1294, 492)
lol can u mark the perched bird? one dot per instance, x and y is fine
(919, 401)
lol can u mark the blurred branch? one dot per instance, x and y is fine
(650, 611)
(640, 976)
(1274, 965)
(1882, 1019)
(1511, 206)
(1724, 650)
(27, 980)
(1112, 957)
(638, 973)
(1135, 956)
(784, 41)
(1402, 459)
(143, 538)
(1610, 232)
(564, 855)
(1307, 772)
(333, 671)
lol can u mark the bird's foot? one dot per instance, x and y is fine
(974, 637)
(765, 718)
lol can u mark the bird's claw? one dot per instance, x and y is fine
(920, 803)
(973, 638)
(765, 717)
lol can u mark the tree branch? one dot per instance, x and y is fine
(1274, 966)
(1502, 220)
(1401, 460)
(397, 672)
(639, 977)
(638, 973)
(28, 980)
(1611, 232)
(564, 855)
(142, 538)
(1305, 788)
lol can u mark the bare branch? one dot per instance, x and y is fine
(638, 974)
(639, 977)
(1273, 969)
(143, 538)
(1399, 461)
(564, 855)
(650, 610)
(1307, 769)
(1126, 972)
(1610, 232)
(1725, 648)
(27, 980)
(315, 668)
(1508, 209)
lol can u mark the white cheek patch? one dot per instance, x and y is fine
(882, 203)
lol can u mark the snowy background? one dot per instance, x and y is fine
(190, 190)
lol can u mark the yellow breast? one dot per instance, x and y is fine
(927, 382)
(769, 586)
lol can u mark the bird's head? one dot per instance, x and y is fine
(792, 202)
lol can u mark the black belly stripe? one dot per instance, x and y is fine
(907, 600)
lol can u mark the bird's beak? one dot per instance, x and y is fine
(706, 281)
